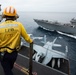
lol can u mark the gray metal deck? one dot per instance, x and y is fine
(37, 67)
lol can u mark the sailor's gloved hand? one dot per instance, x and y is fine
(32, 42)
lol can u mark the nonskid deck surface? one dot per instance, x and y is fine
(17, 71)
(23, 62)
(39, 69)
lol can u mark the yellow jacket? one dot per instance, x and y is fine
(10, 34)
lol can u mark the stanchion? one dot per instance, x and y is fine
(30, 58)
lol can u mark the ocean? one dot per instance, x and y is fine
(27, 19)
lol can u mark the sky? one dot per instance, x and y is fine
(41, 5)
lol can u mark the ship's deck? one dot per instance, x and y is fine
(15, 71)
(20, 61)
(23, 63)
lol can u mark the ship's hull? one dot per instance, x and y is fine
(57, 27)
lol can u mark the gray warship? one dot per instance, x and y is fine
(69, 28)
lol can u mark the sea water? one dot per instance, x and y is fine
(27, 19)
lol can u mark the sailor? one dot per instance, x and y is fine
(10, 34)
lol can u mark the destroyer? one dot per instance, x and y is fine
(69, 28)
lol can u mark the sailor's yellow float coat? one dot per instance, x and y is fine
(10, 34)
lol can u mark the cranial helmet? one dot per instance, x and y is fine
(10, 11)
